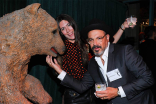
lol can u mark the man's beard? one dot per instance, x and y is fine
(96, 51)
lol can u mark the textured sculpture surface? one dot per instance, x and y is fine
(24, 33)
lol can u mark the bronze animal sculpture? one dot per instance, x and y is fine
(24, 33)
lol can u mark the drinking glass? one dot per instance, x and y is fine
(100, 86)
(132, 21)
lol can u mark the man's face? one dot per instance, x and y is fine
(98, 41)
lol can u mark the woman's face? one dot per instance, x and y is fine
(67, 30)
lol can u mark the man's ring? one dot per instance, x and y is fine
(103, 98)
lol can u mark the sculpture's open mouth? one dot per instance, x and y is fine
(54, 50)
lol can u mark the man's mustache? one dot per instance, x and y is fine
(96, 46)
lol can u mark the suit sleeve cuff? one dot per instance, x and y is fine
(62, 75)
(122, 92)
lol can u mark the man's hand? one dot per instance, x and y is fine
(109, 93)
(54, 64)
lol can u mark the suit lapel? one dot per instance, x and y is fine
(97, 73)
(101, 76)
(110, 64)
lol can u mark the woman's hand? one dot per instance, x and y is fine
(54, 64)
(125, 24)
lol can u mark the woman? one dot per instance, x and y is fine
(75, 59)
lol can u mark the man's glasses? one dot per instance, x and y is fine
(98, 39)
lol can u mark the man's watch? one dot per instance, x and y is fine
(119, 93)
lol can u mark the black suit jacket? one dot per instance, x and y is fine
(136, 77)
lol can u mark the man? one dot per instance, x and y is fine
(147, 50)
(127, 76)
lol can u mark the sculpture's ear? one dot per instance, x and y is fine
(33, 8)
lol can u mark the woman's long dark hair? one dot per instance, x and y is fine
(77, 36)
